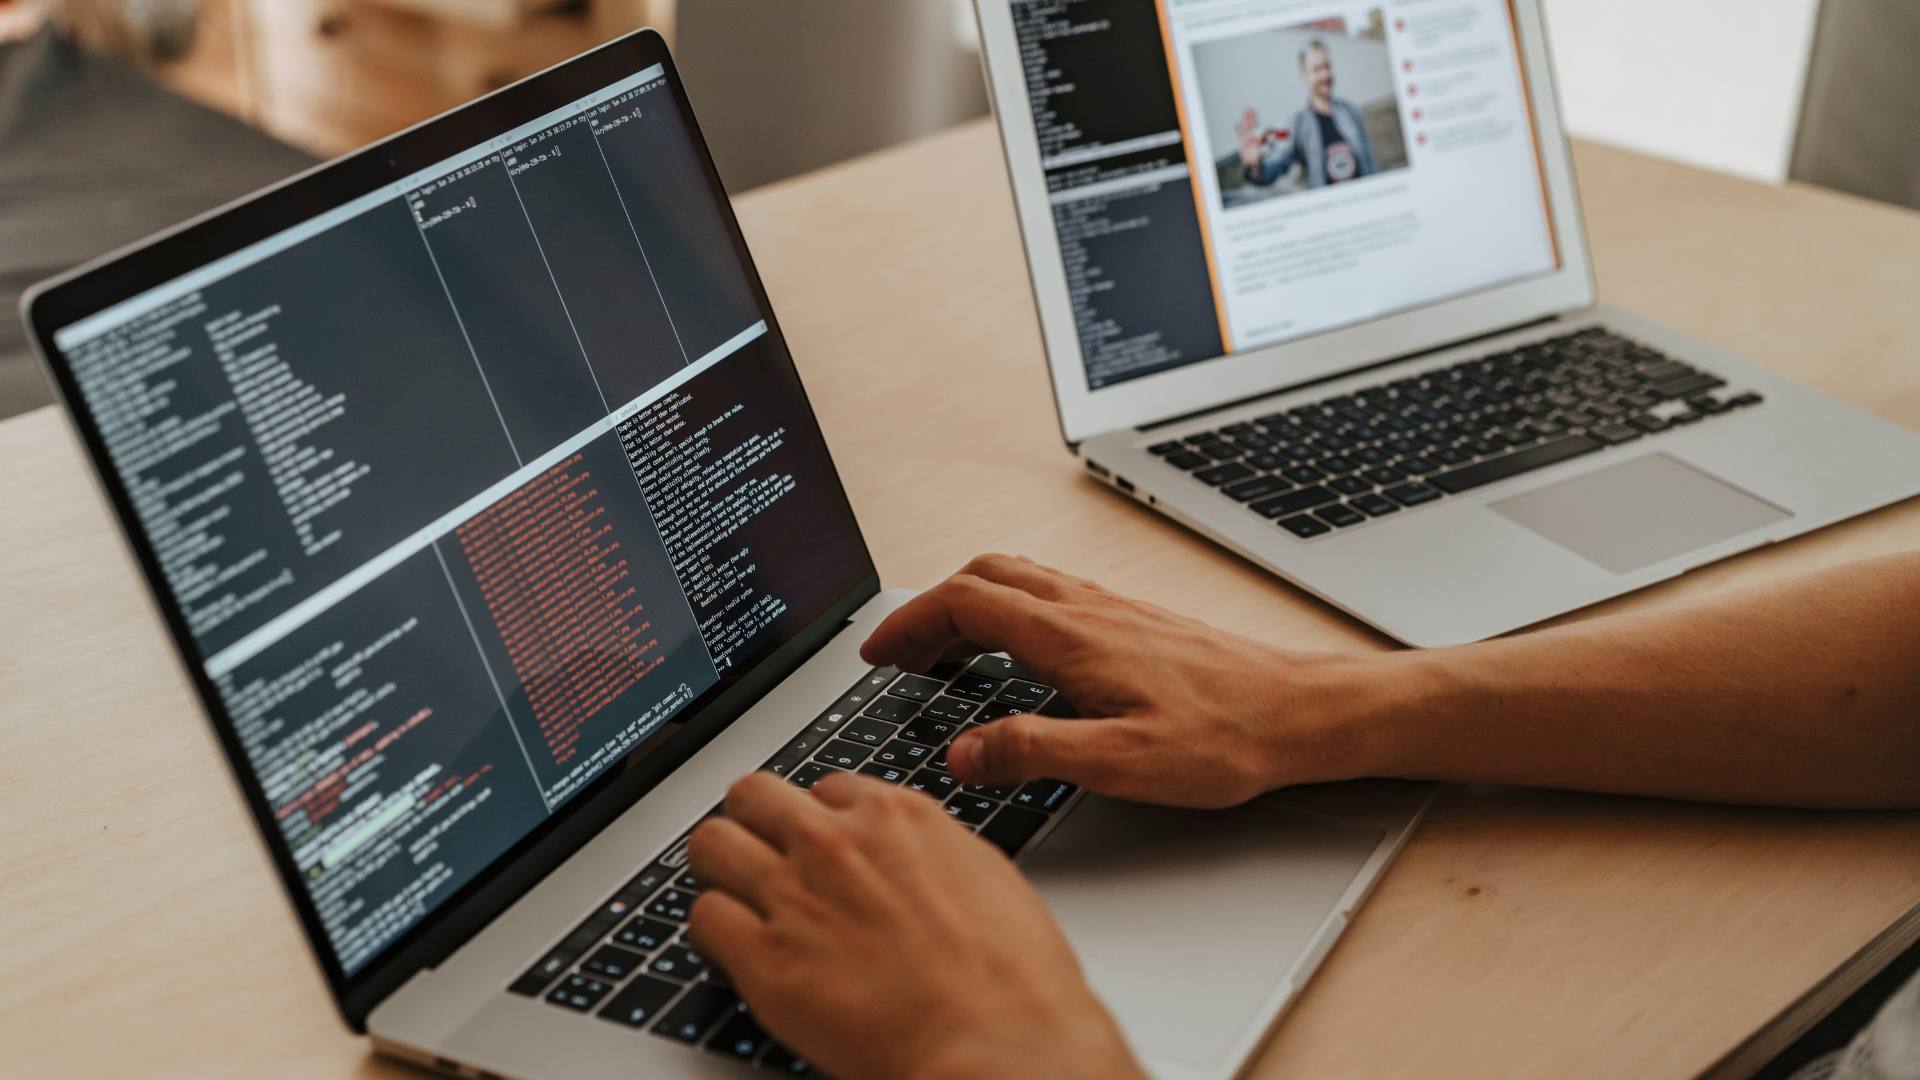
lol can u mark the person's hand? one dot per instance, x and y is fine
(1175, 711)
(874, 936)
(1251, 138)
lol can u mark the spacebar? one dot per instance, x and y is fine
(1533, 457)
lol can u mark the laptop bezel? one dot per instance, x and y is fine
(1209, 384)
(111, 279)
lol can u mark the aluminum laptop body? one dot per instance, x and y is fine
(479, 496)
(1303, 223)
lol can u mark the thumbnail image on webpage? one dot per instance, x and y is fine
(1303, 107)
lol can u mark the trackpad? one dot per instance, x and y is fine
(1639, 512)
(1188, 921)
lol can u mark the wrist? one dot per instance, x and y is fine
(1374, 714)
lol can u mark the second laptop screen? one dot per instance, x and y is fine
(1226, 175)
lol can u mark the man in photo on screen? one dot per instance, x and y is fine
(1328, 138)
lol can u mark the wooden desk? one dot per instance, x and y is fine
(1522, 933)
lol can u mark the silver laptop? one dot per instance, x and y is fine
(1312, 281)
(490, 522)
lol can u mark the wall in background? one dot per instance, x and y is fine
(1715, 83)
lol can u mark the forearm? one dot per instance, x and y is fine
(1805, 694)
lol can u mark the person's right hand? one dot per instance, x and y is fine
(1248, 129)
(870, 932)
(1174, 710)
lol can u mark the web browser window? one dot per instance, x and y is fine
(1232, 174)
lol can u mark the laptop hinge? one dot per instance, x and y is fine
(1349, 373)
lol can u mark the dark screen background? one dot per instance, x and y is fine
(452, 549)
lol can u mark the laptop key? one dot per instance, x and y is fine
(1223, 474)
(1188, 460)
(938, 761)
(998, 710)
(1614, 434)
(672, 905)
(1513, 464)
(1011, 828)
(678, 962)
(578, 992)
(930, 732)
(1163, 449)
(1294, 502)
(1258, 487)
(973, 687)
(902, 753)
(1350, 485)
(614, 963)
(1044, 795)
(1412, 494)
(1340, 515)
(1026, 694)
(951, 709)
(699, 1012)
(886, 774)
(645, 934)
(1666, 371)
(971, 809)
(937, 784)
(640, 1002)
(892, 709)
(1306, 527)
(868, 731)
(1375, 505)
(915, 687)
(739, 1037)
(1686, 387)
(809, 774)
(842, 754)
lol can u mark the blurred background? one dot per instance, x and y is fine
(119, 117)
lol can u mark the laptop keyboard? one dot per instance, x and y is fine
(1389, 449)
(630, 962)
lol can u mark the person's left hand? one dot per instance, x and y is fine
(876, 937)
